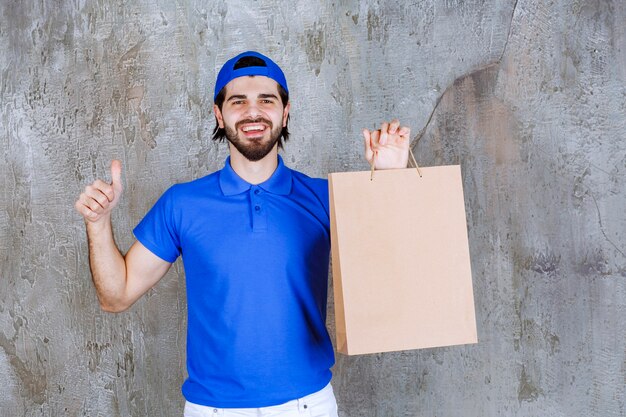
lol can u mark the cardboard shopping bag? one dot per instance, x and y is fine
(400, 260)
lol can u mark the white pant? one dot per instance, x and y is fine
(318, 404)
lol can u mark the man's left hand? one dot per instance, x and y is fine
(389, 146)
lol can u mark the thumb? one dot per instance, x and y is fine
(116, 174)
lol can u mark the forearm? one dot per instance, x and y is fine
(108, 267)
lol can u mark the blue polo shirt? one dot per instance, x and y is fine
(256, 263)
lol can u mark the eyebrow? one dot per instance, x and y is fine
(237, 97)
(268, 96)
(243, 96)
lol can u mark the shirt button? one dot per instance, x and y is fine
(256, 192)
(257, 208)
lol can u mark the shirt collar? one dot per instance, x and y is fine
(278, 183)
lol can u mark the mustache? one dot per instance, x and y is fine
(256, 120)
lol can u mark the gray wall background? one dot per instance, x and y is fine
(528, 97)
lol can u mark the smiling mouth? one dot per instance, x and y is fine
(253, 128)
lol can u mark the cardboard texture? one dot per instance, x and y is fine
(400, 260)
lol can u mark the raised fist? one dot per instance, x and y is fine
(100, 197)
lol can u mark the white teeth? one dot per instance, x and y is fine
(249, 128)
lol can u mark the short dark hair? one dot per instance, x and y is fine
(219, 134)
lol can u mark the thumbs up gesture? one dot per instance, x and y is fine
(100, 197)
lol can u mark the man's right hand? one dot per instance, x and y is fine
(99, 198)
(119, 279)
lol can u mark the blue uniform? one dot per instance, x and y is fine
(256, 263)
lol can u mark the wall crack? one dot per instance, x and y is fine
(508, 36)
(602, 226)
(484, 67)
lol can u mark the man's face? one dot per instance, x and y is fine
(252, 115)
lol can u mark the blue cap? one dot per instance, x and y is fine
(229, 73)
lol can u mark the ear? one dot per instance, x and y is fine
(286, 113)
(218, 116)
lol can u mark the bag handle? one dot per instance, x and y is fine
(412, 159)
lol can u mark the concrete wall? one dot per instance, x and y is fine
(528, 96)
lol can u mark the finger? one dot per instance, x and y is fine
(92, 194)
(85, 211)
(104, 188)
(384, 128)
(393, 126)
(89, 206)
(369, 153)
(375, 135)
(92, 204)
(116, 174)
(404, 131)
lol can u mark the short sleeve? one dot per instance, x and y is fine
(157, 231)
(322, 192)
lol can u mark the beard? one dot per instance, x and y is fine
(253, 149)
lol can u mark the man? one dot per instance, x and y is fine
(255, 242)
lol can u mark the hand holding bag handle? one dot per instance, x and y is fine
(373, 164)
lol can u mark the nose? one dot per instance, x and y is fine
(253, 111)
